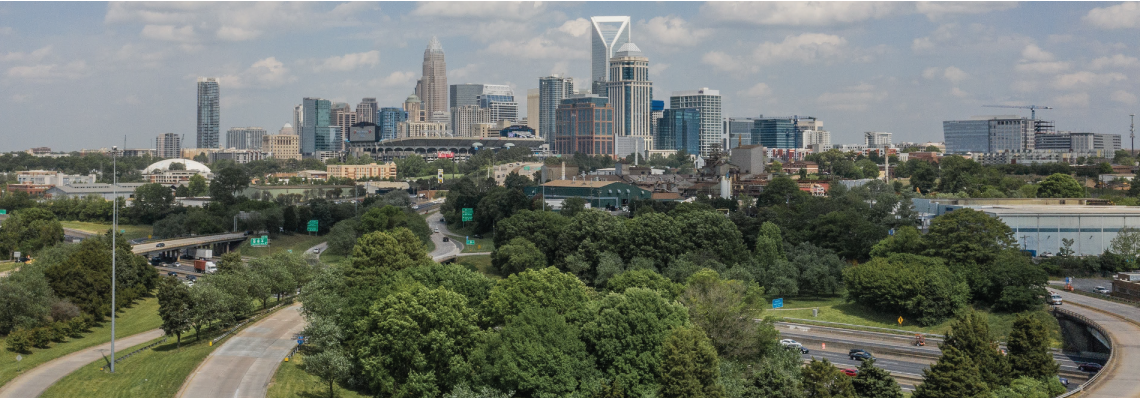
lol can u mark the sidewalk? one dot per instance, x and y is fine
(36, 380)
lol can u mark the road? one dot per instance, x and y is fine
(444, 249)
(1085, 284)
(34, 381)
(243, 366)
(171, 244)
(1120, 378)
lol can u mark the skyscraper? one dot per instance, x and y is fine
(500, 100)
(414, 108)
(207, 112)
(315, 126)
(464, 94)
(464, 117)
(585, 125)
(387, 121)
(709, 104)
(245, 137)
(168, 145)
(607, 34)
(533, 108)
(367, 110)
(877, 139)
(552, 91)
(679, 129)
(777, 132)
(341, 116)
(630, 92)
(432, 88)
(738, 131)
(989, 134)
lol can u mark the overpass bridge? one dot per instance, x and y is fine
(221, 243)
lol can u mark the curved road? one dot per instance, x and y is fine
(444, 250)
(34, 381)
(1120, 379)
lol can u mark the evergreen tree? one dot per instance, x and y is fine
(769, 248)
(955, 375)
(689, 365)
(874, 382)
(1029, 349)
(820, 379)
(971, 335)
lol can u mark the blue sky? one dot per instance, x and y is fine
(84, 75)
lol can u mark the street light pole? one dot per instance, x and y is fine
(114, 230)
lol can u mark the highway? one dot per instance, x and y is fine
(1120, 378)
(172, 244)
(444, 250)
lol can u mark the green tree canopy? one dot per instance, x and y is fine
(905, 240)
(954, 375)
(645, 278)
(971, 335)
(820, 379)
(874, 382)
(725, 310)
(625, 332)
(542, 288)
(538, 354)
(377, 253)
(967, 235)
(28, 231)
(1029, 349)
(1061, 185)
(917, 287)
(517, 255)
(689, 366)
(174, 307)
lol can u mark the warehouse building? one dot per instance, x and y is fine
(600, 194)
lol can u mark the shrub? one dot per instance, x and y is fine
(59, 331)
(42, 337)
(76, 326)
(64, 310)
(19, 341)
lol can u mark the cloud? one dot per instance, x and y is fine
(951, 74)
(1086, 79)
(798, 13)
(169, 33)
(34, 56)
(265, 73)
(234, 33)
(855, 98)
(806, 48)
(1116, 61)
(656, 68)
(1124, 97)
(1033, 53)
(725, 62)
(935, 10)
(956, 92)
(758, 90)
(1038, 60)
(6, 30)
(237, 21)
(672, 31)
(349, 62)
(462, 72)
(396, 80)
(922, 43)
(49, 72)
(514, 10)
(1072, 100)
(538, 47)
(576, 27)
(1119, 16)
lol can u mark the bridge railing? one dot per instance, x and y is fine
(1098, 375)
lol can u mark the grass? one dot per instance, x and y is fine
(141, 317)
(9, 265)
(482, 245)
(297, 242)
(292, 381)
(483, 264)
(132, 231)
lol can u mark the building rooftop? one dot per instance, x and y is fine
(579, 183)
(1056, 210)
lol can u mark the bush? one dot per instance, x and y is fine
(42, 337)
(59, 331)
(63, 311)
(922, 288)
(19, 341)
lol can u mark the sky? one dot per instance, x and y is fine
(86, 75)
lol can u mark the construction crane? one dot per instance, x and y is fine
(1031, 107)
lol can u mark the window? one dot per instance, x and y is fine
(628, 73)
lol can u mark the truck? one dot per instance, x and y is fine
(203, 253)
(205, 267)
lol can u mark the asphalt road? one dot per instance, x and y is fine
(443, 249)
(243, 366)
(1120, 378)
(1085, 284)
(35, 381)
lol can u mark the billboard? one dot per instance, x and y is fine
(363, 134)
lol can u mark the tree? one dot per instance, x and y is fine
(647, 279)
(1061, 185)
(27, 298)
(689, 365)
(623, 333)
(874, 382)
(905, 240)
(589, 234)
(820, 270)
(917, 287)
(538, 354)
(177, 166)
(820, 379)
(227, 182)
(330, 365)
(957, 174)
(868, 168)
(932, 148)
(174, 307)
(954, 375)
(231, 262)
(542, 288)
(655, 236)
(572, 206)
(151, 202)
(379, 252)
(28, 231)
(417, 342)
(196, 185)
(1029, 349)
(725, 310)
(967, 235)
(342, 237)
(207, 302)
(780, 191)
(970, 335)
(1125, 244)
(516, 256)
(770, 246)
(712, 234)
(539, 227)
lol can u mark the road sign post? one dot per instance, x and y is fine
(260, 242)
(900, 321)
(3, 211)
(778, 303)
(311, 226)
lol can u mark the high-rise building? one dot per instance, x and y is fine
(877, 139)
(297, 119)
(343, 118)
(287, 129)
(585, 124)
(414, 108)
(656, 108)
(464, 117)
(367, 110)
(168, 145)
(208, 118)
(464, 94)
(776, 132)
(738, 131)
(421, 129)
(500, 100)
(679, 129)
(709, 104)
(315, 126)
(533, 108)
(1077, 142)
(607, 34)
(432, 88)
(245, 137)
(989, 134)
(813, 134)
(630, 92)
(387, 121)
(552, 91)
(282, 146)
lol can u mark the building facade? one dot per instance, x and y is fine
(414, 108)
(464, 117)
(168, 145)
(344, 119)
(208, 113)
(432, 88)
(387, 121)
(552, 91)
(367, 110)
(738, 131)
(361, 171)
(315, 126)
(500, 100)
(1071, 141)
(877, 139)
(989, 134)
(464, 94)
(777, 132)
(282, 146)
(533, 108)
(630, 92)
(608, 33)
(586, 125)
(48, 177)
(709, 105)
(680, 129)
(421, 129)
(245, 137)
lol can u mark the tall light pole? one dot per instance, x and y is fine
(114, 230)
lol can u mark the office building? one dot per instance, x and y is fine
(245, 137)
(607, 35)
(630, 92)
(813, 134)
(679, 129)
(656, 107)
(586, 125)
(989, 134)
(709, 105)
(315, 126)
(464, 94)
(367, 110)
(168, 145)
(464, 117)
(421, 129)
(533, 108)
(432, 88)
(877, 139)
(282, 146)
(287, 129)
(414, 108)
(344, 118)
(626, 146)
(208, 117)
(387, 121)
(552, 91)
(500, 100)
(297, 117)
(1077, 142)
(361, 171)
(776, 132)
(738, 131)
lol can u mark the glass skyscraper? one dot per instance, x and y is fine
(607, 34)
(552, 91)
(630, 92)
(776, 133)
(740, 131)
(387, 121)
(315, 133)
(709, 105)
(989, 134)
(679, 129)
(208, 117)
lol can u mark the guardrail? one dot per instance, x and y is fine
(280, 303)
(860, 327)
(128, 355)
(1097, 375)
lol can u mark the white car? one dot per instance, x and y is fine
(1056, 300)
(436, 230)
(1102, 290)
(790, 343)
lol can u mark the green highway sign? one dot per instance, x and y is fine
(312, 226)
(466, 214)
(260, 242)
(3, 211)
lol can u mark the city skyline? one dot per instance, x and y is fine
(901, 68)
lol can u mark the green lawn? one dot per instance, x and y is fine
(143, 316)
(158, 372)
(292, 381)
(9, 265)
(132, 231)
(297, 242)
(482, 245)
(480, 263)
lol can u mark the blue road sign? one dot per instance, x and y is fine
(892, 232)
(1068, 280)
(300, 340)
(778, 303)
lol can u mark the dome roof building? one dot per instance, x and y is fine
(164, 165)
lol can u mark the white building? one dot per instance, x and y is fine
(48, 177)
(629, 92)
(607, 35)
(874, 139)
(168, 145)
(709, 104)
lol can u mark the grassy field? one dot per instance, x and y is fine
(143, 316)
(835, 309)
(158, 372)
(481, 263)
(291, 381)
(298, 243)
(9, 265)
(133, 231)
(482, 245)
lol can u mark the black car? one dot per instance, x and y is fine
(801, 348)
(172, 273)
(445, 238)
(191, 278)
(856, 353)
(1090, 367)
(161, 244)
(478, 236)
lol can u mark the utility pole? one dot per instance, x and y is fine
(1132, 149)
(114, 231)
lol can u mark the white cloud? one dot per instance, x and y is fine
(462, 72)
(513, 10)
(672, 31)
(34, 56)
(956, 92)
(1124, 97)
(758, 90)
(935, 10)
(855, 98)
(1119, 16)
(169, 33)
(656, 68)
(806, 47)
(930, 73)
(1033, 53)
(396, 80)
(238, 21)
(265, 73)
(576, 27)
(6, 30)
(349, 62)
(798, 13)
(954, 74)
(50, 72)
(1072, 100)
(1044, 67)
(234, 33)
(1116, 61)
(922, 43)
(1085, 79)
(538, 47)
(725, 62)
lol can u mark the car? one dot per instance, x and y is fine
(478, 236)
(1064, 381)
(188, 282)
(1101, 290)
(161, 244)
(856, 353)
(316, 251)
(436, 230)
(1090, 367)
(1055, 299)
(789, 343)
(172, 273)
(445, 238)
(191, 278)
(850, 372)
